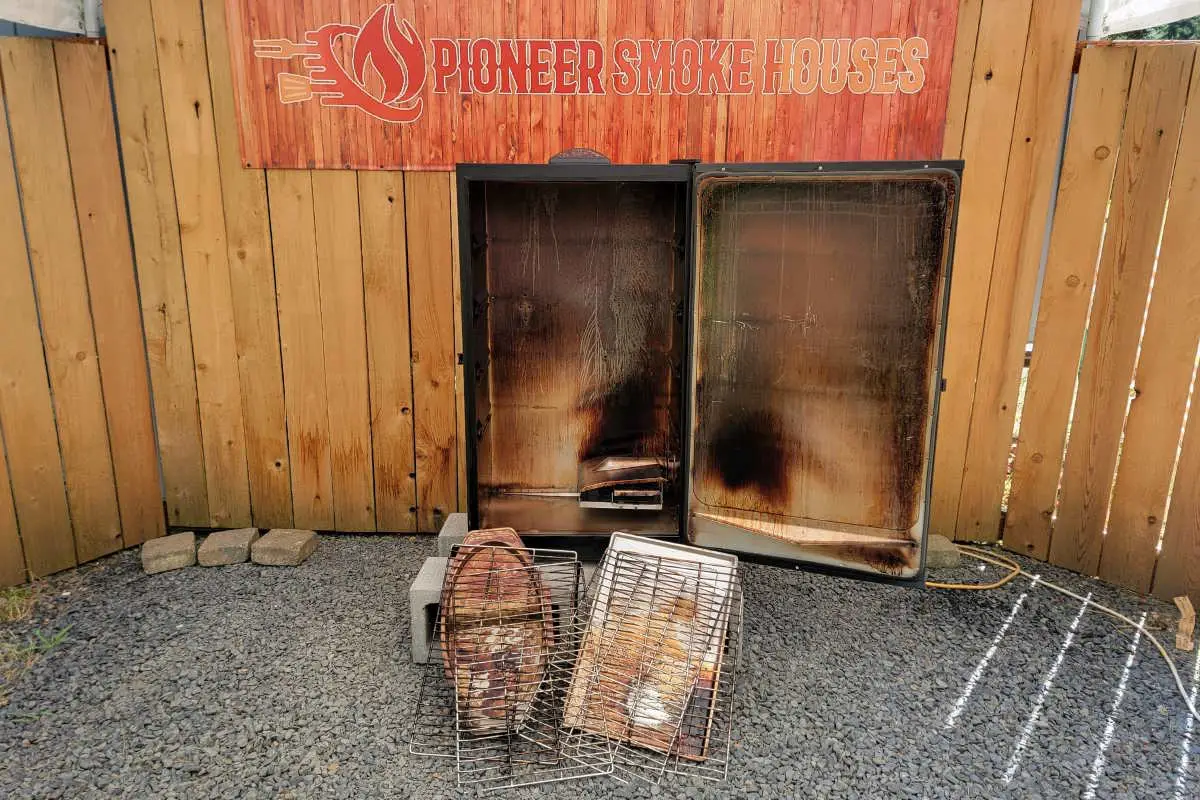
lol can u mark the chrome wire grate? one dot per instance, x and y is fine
(535, 679)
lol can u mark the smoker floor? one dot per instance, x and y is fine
(268, 682)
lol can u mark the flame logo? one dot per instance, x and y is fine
(383, 74)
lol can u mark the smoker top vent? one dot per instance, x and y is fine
(580, 155)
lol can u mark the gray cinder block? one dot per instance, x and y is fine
(423, 598)
(453, 531)
(227, 547)
(169, 552)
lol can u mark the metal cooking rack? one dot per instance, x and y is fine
(494, 704)
(653, 639)
(659, 644)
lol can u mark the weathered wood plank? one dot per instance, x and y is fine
(431, 279)
(112, 286)
(385, 279)
(191, 136)
(965, 39)
(34, 467)
(293, 230)
(1164, 374)
(252, 279)
(339, 268)
(151, 191)
(1178, 570)
(1089, 162)
(12, 558)
(56, 254)
(1143, 176)
(1020, 241)
(995, 83)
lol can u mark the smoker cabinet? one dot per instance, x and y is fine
(747, 357)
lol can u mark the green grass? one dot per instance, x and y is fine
(18, 654)
(16, 602)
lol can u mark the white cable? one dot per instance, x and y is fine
(1118, 615)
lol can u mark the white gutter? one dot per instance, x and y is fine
(79, 17)
(1110, 17)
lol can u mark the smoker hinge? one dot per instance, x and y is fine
(943, 388)
(460, 359)
(481, 426)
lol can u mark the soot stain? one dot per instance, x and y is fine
(748, 452)
(623, 419)
(891, 559)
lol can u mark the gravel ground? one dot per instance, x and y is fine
(270, 682)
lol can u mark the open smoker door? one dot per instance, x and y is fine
(818, 330)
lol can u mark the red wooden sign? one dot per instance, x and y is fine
(430, 83)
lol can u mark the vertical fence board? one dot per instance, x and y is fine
(26, 412)
(1178, 570)
(965, 39)
(431, 294)
(302, 344)
(385, 280)
(12, 559)
(995, 81)
(187, 103)
(339, 268)
(252, 279)
(43, 174)
(1164, 375)
(112, 284)
(1144, 167)
(155, 222)
(1028, 188)
(1089, 163)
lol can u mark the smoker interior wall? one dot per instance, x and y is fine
(576, 290)
(818, 304)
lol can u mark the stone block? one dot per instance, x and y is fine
(453, 531)
(283, 547)
(940, 553)
(169, 552)
(227, 547)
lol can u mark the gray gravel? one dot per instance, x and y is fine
(253, 681)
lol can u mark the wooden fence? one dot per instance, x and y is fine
(1115, 348)
(301, 328)
(287, 387)
(80, 478)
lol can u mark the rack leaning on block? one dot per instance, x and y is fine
(659, 633)
(532, 679)
(500, 660)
